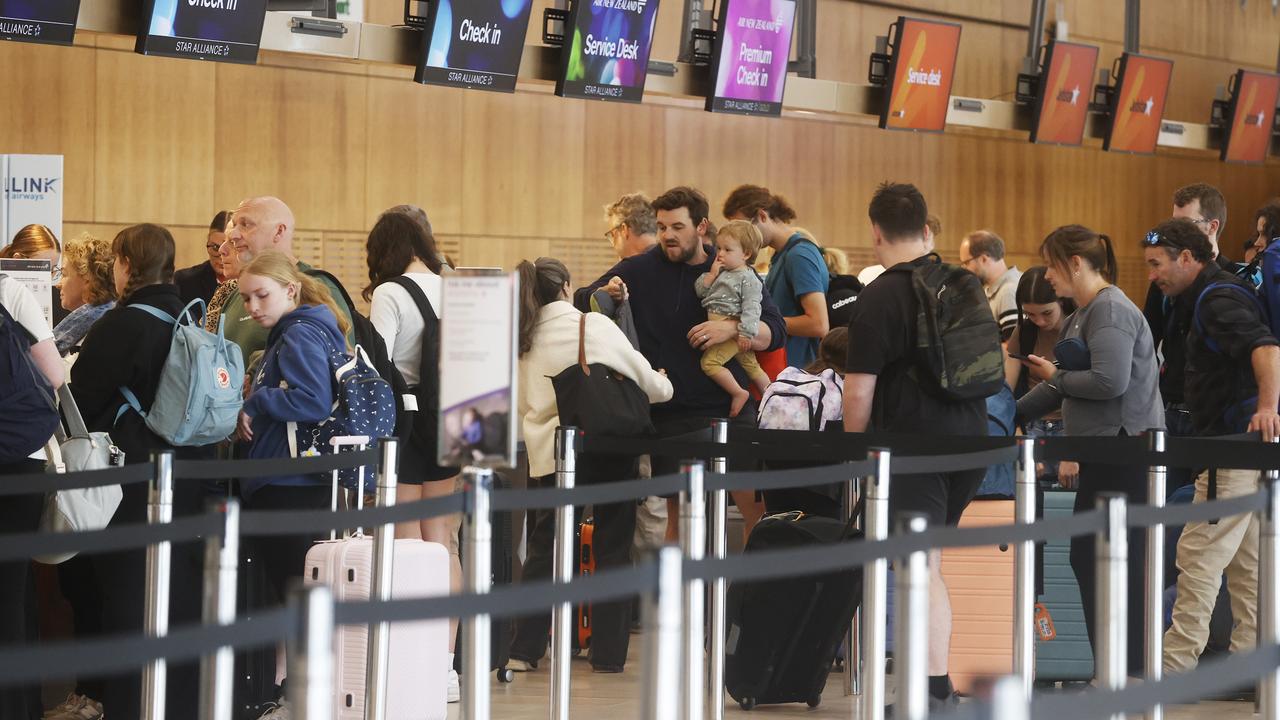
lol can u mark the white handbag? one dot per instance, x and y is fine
(78, 509)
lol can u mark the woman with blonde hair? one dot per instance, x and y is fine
(34, 242)
(88, 289)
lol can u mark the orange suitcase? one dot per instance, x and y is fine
(981, 581)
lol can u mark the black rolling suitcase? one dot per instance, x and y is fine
(783, 634)
(501, 630)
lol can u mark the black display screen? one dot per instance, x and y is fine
(39, 21)
(220, 30)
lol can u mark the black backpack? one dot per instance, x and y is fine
(368, 337)
(30, 416)
(957, 338)
(842, 295)
(426, 423)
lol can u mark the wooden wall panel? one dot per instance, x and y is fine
(296, 134)
(413, 155)
(154, 126)
(622, 153)
(49, 100)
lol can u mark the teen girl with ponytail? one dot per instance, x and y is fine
(1110, 389)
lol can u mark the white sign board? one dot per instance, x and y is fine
(33, 192)
(478, 326)
(37, 275)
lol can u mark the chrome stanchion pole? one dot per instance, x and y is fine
(1269, 592)
(1113, 594)
(911, 625)
(384, 543)
(221, 562)
(1009, 701)
(311, 661)
(875, 594)
(719, 587)
(156, 619)
(693, 538)
(477, 537)
(663, 649)
(562, 627)
(1153, 592)
(1024, 595)
(853, 638)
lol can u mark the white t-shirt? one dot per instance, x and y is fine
(398, 321)
(869, 273)
(25, 308)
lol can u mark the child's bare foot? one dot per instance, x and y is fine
(740, 399)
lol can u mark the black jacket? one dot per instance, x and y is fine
(1169, 320)
(127, 347)
(198, 281)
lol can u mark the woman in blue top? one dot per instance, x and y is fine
(798, 279)
(293, 385)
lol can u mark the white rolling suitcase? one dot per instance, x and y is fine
(418, 659)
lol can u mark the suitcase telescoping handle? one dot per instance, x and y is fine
(359, 442)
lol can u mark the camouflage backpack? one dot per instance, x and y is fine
(958, 340)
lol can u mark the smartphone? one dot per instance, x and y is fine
(1016, 356)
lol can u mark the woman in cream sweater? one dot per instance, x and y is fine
(549, 344)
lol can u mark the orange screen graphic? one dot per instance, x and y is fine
(1255, 108)
(1064, 96)
(1139, 104)
(925, 61)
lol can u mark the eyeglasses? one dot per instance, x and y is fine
(1154, 238)
(609, 235)
(1199, 221)
(967, 263)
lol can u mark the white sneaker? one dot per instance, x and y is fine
(276, 711)
(75, 707)
(518, 665)
(454, 692)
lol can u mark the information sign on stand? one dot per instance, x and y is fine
(478, 327)
(37, 275)
(32, 194)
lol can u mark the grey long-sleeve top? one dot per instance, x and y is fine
(1120, 390)
(735, 293)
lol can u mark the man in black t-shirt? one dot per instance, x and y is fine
(1232, 384)
(882, 394)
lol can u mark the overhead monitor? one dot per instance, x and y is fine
(221, 30)
(923, 66)
(1137, 105)
(1066, 85)
(606, 52)
(474, 43)
(39, 21)
(1250, 116)
(749, 61)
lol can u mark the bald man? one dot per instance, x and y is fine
(260, 224)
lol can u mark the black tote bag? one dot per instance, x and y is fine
(597, 399)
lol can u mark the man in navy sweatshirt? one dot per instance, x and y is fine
(673, 327)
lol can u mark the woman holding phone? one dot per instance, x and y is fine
(1106, 386)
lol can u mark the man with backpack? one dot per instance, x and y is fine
(896, 381)
(1232, 385)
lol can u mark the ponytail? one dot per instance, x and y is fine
(1110, 271)
(540, 284)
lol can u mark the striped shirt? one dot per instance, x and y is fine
(1001, 294)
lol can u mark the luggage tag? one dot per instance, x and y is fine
(1044, 623)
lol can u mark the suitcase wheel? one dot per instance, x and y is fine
(747, 703)
(815, 701)
(506, 675)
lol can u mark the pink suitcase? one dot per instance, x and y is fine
(418, 657)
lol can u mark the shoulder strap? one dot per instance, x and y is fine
(582, 344)
(419, 298)
(1208, 341)
(342, 290)
(155, 312)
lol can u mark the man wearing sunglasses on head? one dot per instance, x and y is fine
(1231, 385)
(1204, 207)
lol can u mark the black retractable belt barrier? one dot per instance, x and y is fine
(301, 522)
(33, 483)
(793, 478)
(550, 498)
(1147, 515)
(100, 656)
(123, 537)
(920, 464)
(272, 467)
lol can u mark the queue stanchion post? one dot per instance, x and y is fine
(875, 590)
(384, 541)
(1113, 593)
(853, 637)
(562, 626)
(1153, 591)
(719, 587)
(221, 566)
(693, 539)
(1269, 591)
(159, 556)
(911, 625)
(1008, 700)
(311, 660)
(478, 578)
(663, 646)
(1024, 595)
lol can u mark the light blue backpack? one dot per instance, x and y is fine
(199, 396)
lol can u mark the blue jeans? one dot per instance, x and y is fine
(1046, 428)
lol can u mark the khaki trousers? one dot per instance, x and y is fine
(1205, 552)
